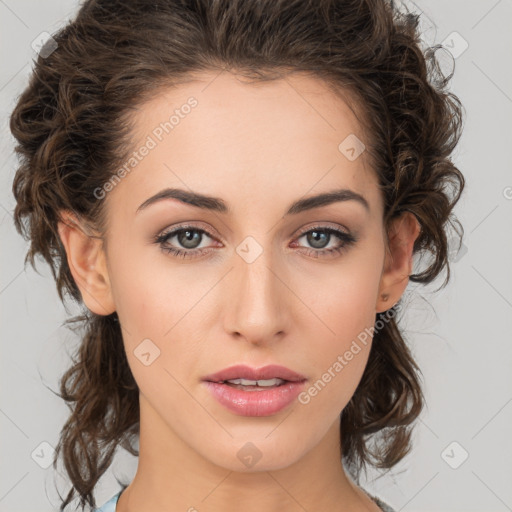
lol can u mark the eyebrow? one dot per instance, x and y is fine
(216, 204)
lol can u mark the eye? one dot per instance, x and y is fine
(319, 237)
(188, 237)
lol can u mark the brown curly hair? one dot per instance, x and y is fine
(72, 131)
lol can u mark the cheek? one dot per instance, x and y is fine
(345, 304)
(146, 303)
(338, 361)
(160, 309)
(343, 297)
(156, 333)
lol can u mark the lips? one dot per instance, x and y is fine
(245, 397)
(246, 372)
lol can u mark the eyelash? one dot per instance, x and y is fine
(346, 239)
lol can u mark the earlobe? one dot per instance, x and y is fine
(87, 262)
(398, 260)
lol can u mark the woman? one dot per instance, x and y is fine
(234, 191)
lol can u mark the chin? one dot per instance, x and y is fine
(252, 454)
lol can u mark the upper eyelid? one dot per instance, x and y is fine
(323, 226)
(175, 229)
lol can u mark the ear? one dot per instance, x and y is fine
(87, 262)
(398, 261)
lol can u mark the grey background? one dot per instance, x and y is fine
(460, 335)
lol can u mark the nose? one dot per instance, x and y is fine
(258, 300)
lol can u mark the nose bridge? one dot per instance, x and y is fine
(256, 307)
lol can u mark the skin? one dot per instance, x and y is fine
(259, 147)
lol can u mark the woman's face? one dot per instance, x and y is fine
(252, 283)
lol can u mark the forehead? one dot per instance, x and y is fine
(218, 134)
(232, 102)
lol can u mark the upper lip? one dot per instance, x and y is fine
(246, 372)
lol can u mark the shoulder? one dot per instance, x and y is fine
(110, 505)
(383, 506)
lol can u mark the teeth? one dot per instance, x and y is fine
(263, 383)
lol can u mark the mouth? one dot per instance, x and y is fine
(254, 385)
(248, 391)
(267, 376)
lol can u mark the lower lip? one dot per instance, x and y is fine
(255, 403)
